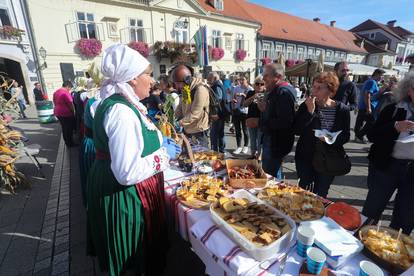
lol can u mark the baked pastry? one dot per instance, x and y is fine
(299, 204)
(256, 222)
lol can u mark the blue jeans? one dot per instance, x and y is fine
(217, 136)
(255, 135)
(270, 164)
(398, 176)
(308, 176)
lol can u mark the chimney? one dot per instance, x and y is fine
(317, 19)
(391, 23)
(333, 23)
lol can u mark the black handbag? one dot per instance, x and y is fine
(330, 160)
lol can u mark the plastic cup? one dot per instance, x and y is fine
(315, 260)
(369, 269)
(306, 235)
(301, 249)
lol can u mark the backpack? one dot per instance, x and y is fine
(215, 107)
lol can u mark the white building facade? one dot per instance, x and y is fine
(16, 56)
(117, 21)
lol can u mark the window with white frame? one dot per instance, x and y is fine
(289, 52)
(136, 30)
(311, 53)
(317, 53)
(240, 41)
(216, 39)
(266, 49)
(372, 35)
(336, 56)
(86, 24)
(328, 55)
(279, 49)
(227, 42)
(4, 17)
(181, 31)
(301, 53)
(219, 5)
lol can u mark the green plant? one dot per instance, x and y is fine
(10, 31)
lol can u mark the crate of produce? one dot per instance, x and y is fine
(245, 174)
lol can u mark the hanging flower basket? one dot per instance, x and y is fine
(289, 63)
(176, 52)
(217, 53)
(89, 47)
(266, 61)
(240, 54)
(140, 47)
(10, 31)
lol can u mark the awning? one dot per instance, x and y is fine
(301, 70)
(364, 70)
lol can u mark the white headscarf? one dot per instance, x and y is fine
(121, 64)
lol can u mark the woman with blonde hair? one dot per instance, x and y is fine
(391, 159)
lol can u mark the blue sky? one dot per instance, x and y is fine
(347, 13)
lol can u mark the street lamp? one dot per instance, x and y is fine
(185, 23)
(43, 54)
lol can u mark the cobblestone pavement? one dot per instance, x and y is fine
(42, 229)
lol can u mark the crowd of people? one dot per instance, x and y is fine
(123, 154)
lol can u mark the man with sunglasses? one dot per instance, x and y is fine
(347, 90)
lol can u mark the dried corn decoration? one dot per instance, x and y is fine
(10, 146)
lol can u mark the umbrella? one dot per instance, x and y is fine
(320, 65)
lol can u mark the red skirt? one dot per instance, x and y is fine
(151, 193)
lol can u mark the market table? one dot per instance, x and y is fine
(219, 253)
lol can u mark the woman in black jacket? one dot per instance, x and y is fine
(319, 111)
(391, 160)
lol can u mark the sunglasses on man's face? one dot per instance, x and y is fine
(259, 83)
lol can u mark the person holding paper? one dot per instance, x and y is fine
(319, 111)
(391, 159)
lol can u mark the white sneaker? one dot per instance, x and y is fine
(245, 150)
(237, 151)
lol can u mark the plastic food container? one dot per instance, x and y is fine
(259, 253)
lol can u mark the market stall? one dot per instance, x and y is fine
(219, 221)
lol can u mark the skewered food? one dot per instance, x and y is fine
(256, 222)
(299, 204)
(385, 245)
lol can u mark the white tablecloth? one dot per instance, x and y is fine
(218, 252)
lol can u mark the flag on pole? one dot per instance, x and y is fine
(201, 42)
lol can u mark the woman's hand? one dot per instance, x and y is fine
(310, 104)
(404, 126)
(173, 149)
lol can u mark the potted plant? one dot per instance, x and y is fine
(10, 31)
(266, 60)
(140, 47)
(240, 54)
(217, 53)
(89, 47)
(175, 51)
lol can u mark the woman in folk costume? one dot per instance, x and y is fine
(125, 197)
(87, 151)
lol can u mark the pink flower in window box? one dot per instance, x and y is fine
(89, 47)
(140, 47)
(266, 60)
(241, 54)
(290, 63)
(217, 53)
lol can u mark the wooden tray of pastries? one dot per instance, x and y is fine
(208, 156)
(297, 203)
(199, 191)
(383, 247)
